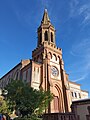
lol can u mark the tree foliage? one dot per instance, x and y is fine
(28, 101)
(3, 105)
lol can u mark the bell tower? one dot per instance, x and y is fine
(51, 73)
(46, 31)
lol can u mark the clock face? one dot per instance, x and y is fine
(54, 71)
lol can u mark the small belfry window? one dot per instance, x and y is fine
(46, 36)
(51, 37)
(40, 37)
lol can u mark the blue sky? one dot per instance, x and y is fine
(19, 20)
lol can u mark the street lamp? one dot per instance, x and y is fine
(3, 92)
(0, 92)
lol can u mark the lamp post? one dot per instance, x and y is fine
(3, 92)
(0, 91)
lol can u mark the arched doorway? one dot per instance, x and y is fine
(57, 104)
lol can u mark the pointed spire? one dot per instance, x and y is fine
(45, 18)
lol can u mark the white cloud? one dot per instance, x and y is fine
(81, 52)
(81, 78)
(73, 7)
(82, 48)
(85, 12)
(80, 10)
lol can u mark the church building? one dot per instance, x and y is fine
(46, 70)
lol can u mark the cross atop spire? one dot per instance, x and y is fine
(45, 19)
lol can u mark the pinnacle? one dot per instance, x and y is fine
(45, 18)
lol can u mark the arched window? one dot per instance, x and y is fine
(46, 36)
(72, 94)
(54, 57)
(51, 37)
(40, 37)
(75, 94)
(50, 55)
(34, 68)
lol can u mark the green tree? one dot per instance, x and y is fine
(30, 102)
(3, 105)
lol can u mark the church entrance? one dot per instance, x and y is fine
(56, 103)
